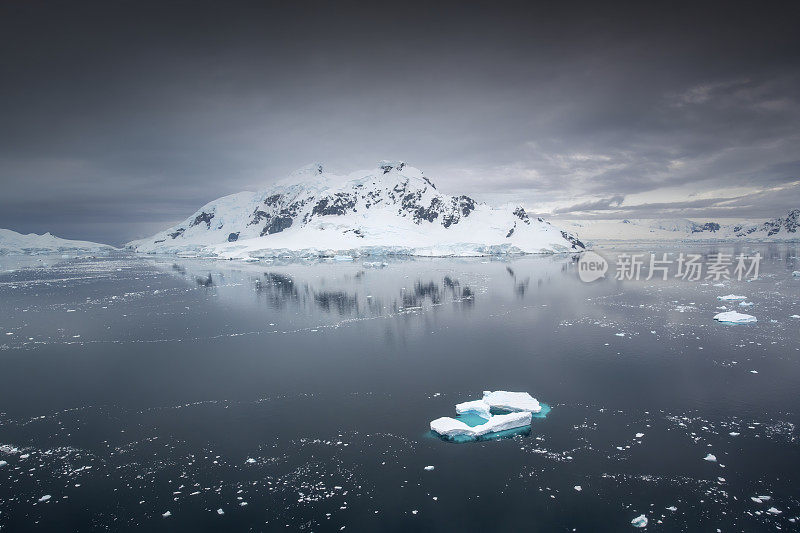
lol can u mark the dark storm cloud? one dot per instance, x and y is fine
(121, 117)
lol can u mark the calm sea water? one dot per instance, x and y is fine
(298, 396)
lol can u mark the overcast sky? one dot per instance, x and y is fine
(120, 118)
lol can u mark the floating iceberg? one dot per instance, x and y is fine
(496, 412)
(796, 274)
(732, 317)
(728, 297)
(639, 521)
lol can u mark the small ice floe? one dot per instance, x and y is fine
(44, 498)
(732, 317)
(745, 304)
(639, 521)
(710, 457)
(516, 411)
(672, 508)
(167, 514)
(619, 334)
(3, 463)
(734, 434)
(250, 460)
(639, 435)
(729, 297)
(220, 511)
(796, 274)
(578, 488)
(429, 468)
(773, 510)
(761, 499)
(795, 316)
(754, 371)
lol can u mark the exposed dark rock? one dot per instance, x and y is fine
(177, 233)
(713, 227)
(522, 215)
(233, 237)
(203, 217)
(576, 244)
(338, 204)
(277, 224)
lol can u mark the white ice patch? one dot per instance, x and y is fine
(479, 407)
(511, 401)
(639, 521)
(710, 457)
(450, 427)
(729, 297)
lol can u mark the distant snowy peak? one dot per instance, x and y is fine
(786, 228)
(393, 208)
(782, 226)
(13, 243)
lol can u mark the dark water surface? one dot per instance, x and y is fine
(298, 396)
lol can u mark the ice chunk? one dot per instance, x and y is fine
(429, 468)
(511, 401)
(745, 304)
(732, 297)
(796, 274)
(773, 510)
(639, 435)
(450, 427)
(732, 317)
(220, 511)
(578, 488)
(167, 514)
(710, 457)
(639, 521)
(45, 498)
(479, 407)
(3, 463)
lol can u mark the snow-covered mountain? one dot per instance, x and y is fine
(13, 243)
(391, 209)
(785, 229)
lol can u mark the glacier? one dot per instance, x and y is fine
(393, 209)
(13, 243)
